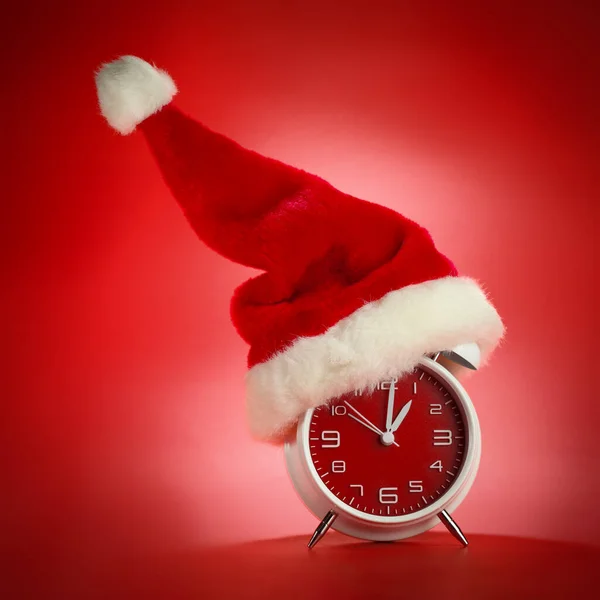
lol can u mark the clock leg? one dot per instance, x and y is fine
(453, 528)
(322, 528)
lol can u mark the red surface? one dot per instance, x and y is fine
(369, 463)
(123, 425)
(429, 567)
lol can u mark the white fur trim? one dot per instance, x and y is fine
(382, 339)
(130, 90)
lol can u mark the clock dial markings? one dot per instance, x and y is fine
(378, 466)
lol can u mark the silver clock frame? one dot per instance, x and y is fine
(334, 513)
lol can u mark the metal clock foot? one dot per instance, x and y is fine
(322, 528)
(453, 528)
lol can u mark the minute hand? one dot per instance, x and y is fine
(390, 406)
(401, 416)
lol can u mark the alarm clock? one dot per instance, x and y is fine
(391, 462)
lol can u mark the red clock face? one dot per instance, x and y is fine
(392, 452)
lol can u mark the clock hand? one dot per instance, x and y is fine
(364, 421)
(390, 406)
(401, 416)
(373, 429)
(387, 437)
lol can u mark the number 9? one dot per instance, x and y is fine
(333, 437)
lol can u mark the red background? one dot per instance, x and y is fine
(123, 421)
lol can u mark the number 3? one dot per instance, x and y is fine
(442, 437)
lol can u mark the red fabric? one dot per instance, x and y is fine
(325, 254)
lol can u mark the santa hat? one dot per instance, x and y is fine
(352, 293)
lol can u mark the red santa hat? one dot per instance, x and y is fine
(352, 293)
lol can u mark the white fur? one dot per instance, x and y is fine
(130, 90)
(382, 339)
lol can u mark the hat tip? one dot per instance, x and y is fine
(130, 90)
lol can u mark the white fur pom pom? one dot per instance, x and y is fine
(130, 90)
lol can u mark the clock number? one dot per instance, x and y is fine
(437, 465)
(415, 486)
(338, 466)
(386, 385)
(435, 409)
(387, 496)
(338, 410)
(357, 485)
(442, 437)
(333, 437)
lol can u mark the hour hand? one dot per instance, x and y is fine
(401, 416)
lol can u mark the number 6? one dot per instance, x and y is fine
(387, 496)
